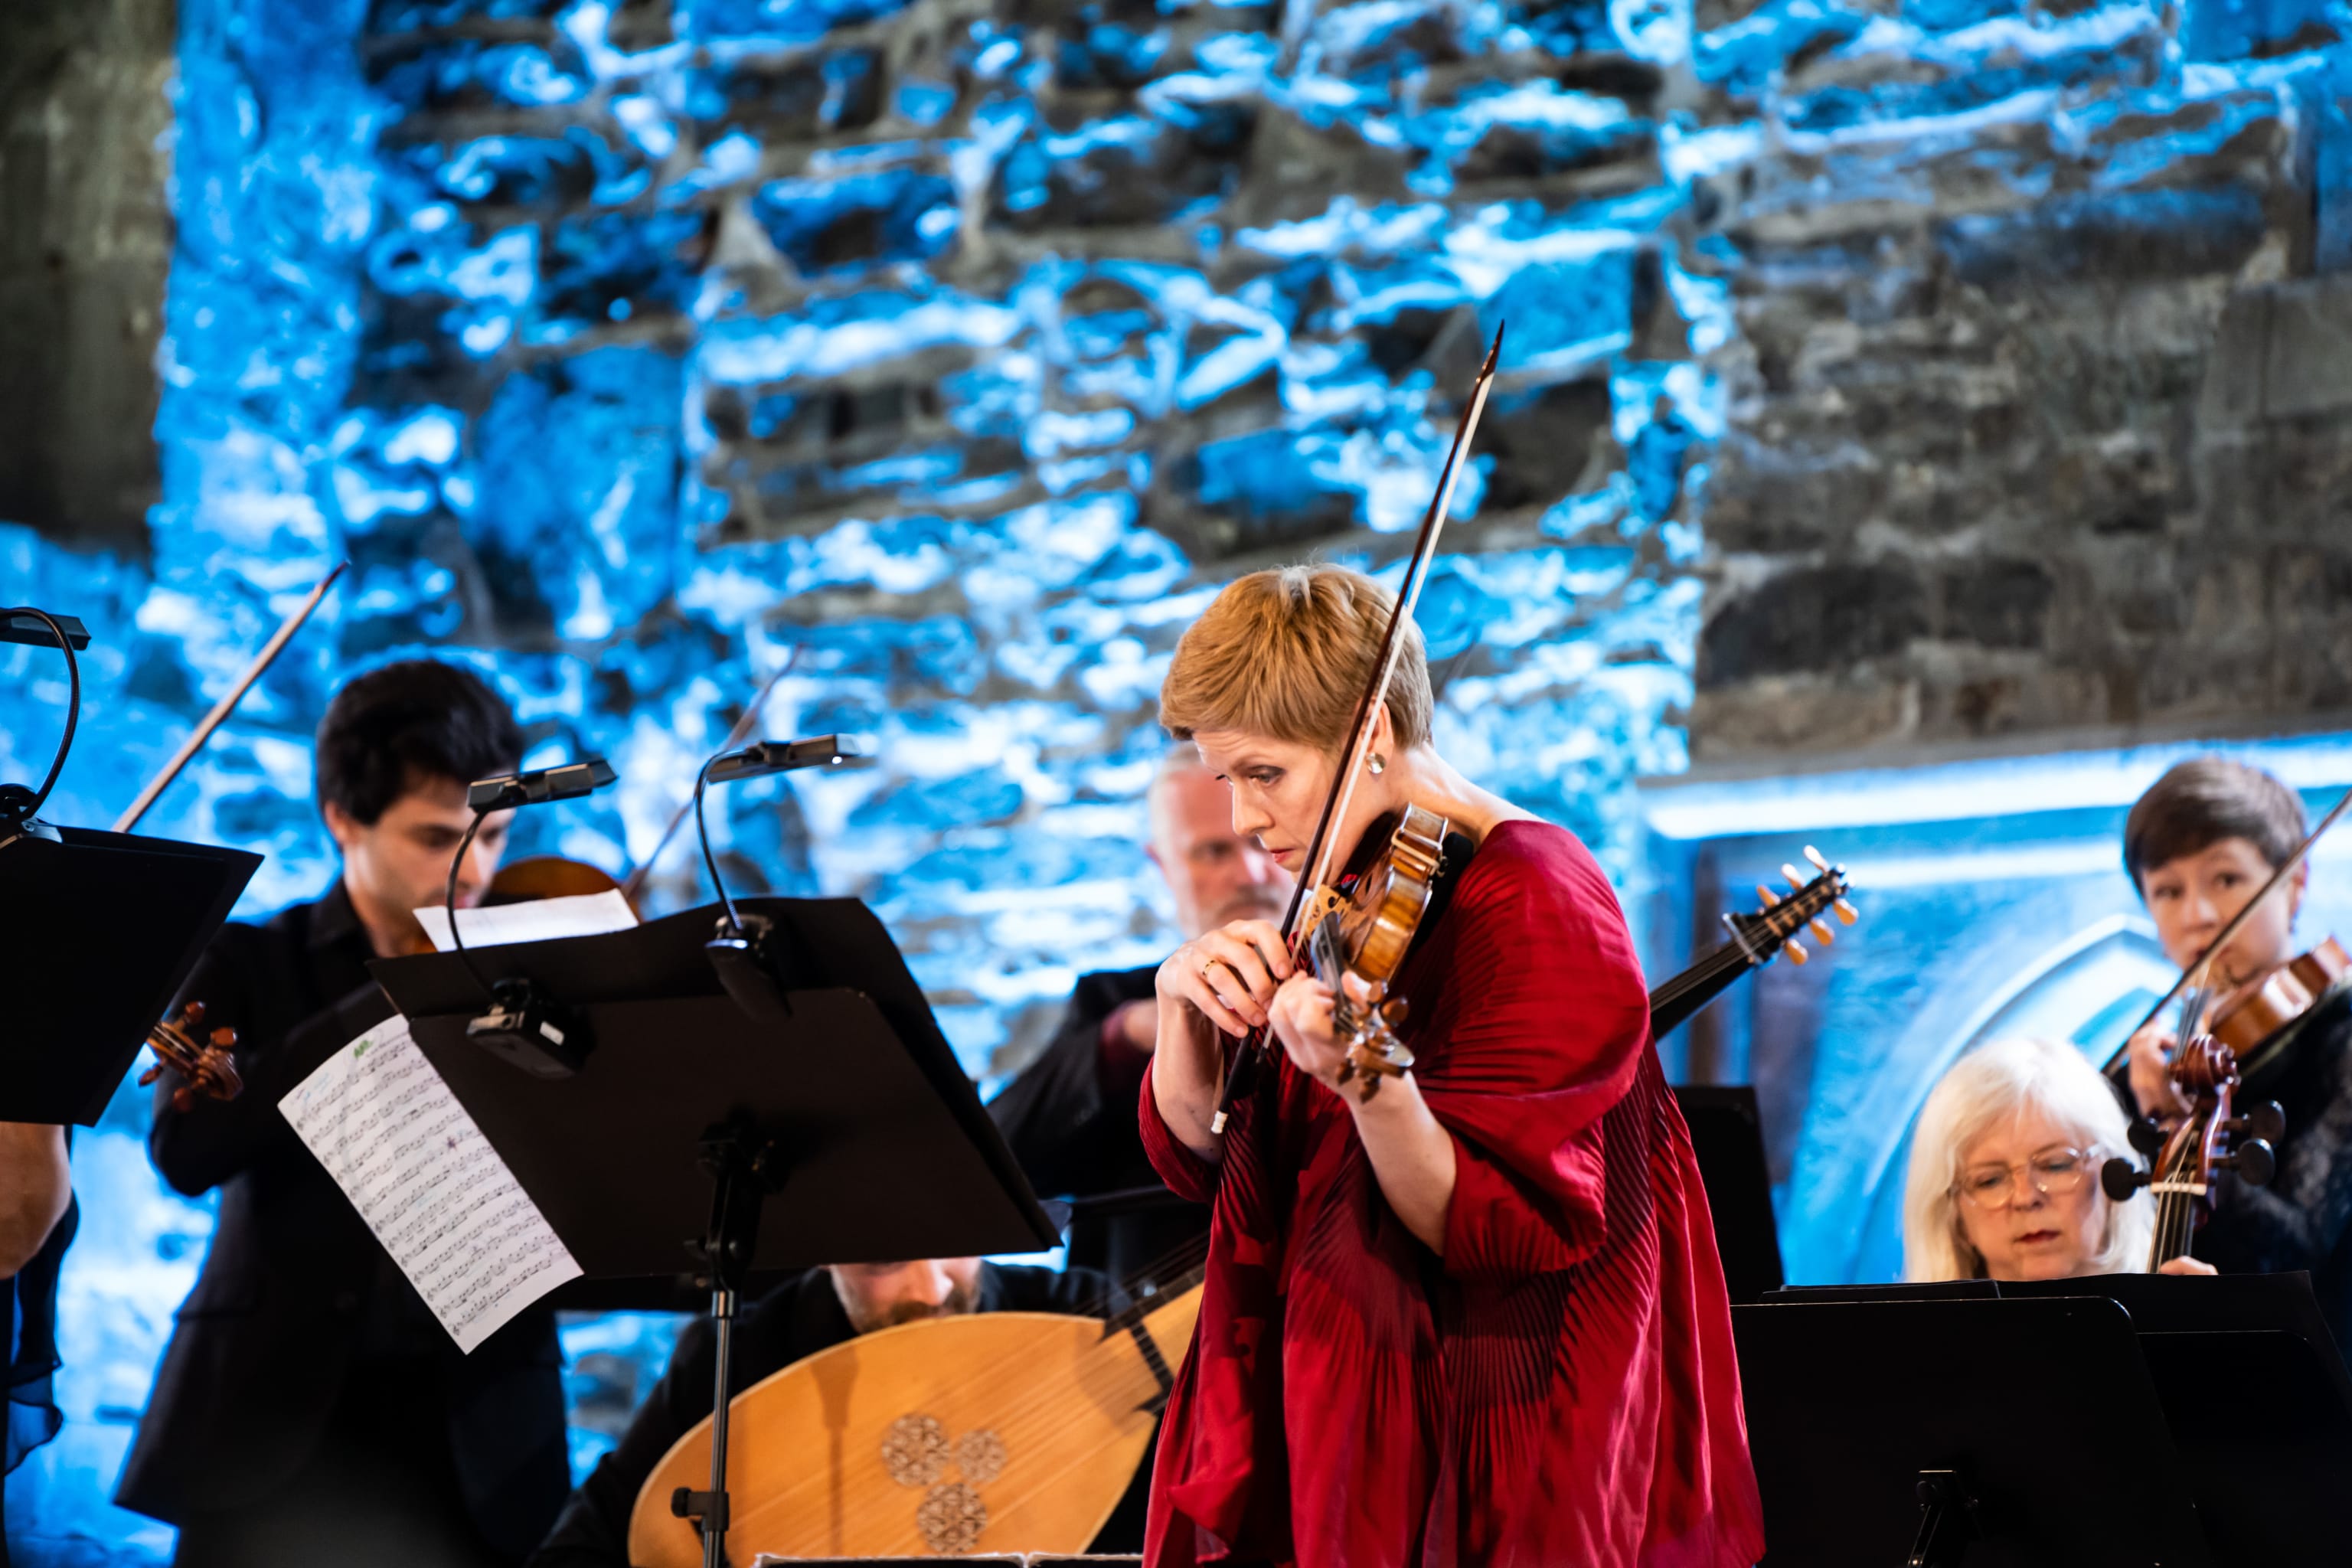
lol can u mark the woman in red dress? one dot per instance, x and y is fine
(1476, 1318)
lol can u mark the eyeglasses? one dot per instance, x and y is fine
(2053, 1172)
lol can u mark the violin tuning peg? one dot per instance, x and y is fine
(1797, 954)
(2119, 1178)
(1796, 877)
(2253, 1162)
(1821, 934)
(1846, 913)
(1767, 896)
(1813, 855)
(151, 1075)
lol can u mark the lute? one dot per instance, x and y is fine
(1755, 939)
(985, 1432)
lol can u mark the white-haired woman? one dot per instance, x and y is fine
(2004, 1181)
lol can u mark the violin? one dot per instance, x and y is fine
(1368, 933)
(2211, 1138)
(1392, 889)
(2269, 1003)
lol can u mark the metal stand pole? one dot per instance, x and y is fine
(744, 1169)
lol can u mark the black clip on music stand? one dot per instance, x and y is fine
(2014, 1432)
(819, 1073)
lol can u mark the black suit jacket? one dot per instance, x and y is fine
(295, 1288)
(1069, 1117)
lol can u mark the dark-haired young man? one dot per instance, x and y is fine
(309, 1409)
(2197, 846)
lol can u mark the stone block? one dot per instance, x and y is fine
(1800, 714)
(1565, 315)
(1294, 168)
(2242, 29)
(775, 21)
(389, 18)
(1621, 157)
(1124, 172)
(800, 96)
(1274, 489)
(617, 266)
(1094, 55)
(1994, 603)
(1564, 27)
(1539, 443)
(1376, 42)
(1851, 89)
(854, 221)
(575, 536)
(2307, 361)
(1825, 619)
(2116, 237)
(1767, 499)
(577, 169)
(1741, 56)
(450, 75)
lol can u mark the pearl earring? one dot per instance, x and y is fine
(1377, 763)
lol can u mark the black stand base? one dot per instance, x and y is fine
(1948, 1520)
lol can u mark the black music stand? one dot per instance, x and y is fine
(2016, 1434)
(1727, 1135)
(711, 1083)
(2253, 1391)
(98, 930)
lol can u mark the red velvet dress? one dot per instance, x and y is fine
(1560, 1387)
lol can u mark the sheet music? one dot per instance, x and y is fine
(438, 1197)
(533, 919)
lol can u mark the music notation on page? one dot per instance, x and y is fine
(430, 1186)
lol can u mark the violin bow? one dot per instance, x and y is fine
(2231, 928)
(743, 726)
(227, 704)
(1316, 868)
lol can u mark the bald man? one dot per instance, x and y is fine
(1069, 1116)
(808, 1312)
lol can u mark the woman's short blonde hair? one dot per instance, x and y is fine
(1990, 1085)
(1287, 653)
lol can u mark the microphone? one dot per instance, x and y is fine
(539, 786)
(762, 758)
(744, 949)
(523, 1025)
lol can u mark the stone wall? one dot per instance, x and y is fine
(85, 242)
(2034, 407)
(955, 353)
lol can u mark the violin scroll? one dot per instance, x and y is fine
(203, 1060)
